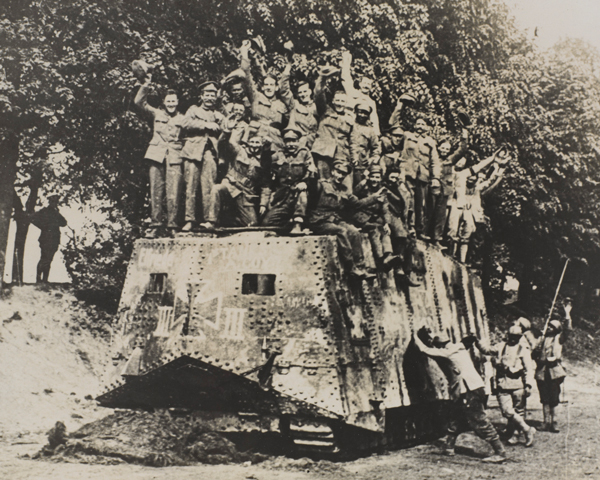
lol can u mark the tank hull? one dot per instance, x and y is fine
(258, 325)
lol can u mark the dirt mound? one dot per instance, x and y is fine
(154, 439)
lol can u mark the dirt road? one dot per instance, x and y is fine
(574, 453)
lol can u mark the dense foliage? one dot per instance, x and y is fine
(65, 79)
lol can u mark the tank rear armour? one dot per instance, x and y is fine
(262, 333)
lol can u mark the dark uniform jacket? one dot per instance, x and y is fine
(333, 201)
(200, 132)
(421, 157)
(49, 221)
(333, 136)
(288, 171)
(366, 146)
(246, 173)
(373, 214)
(166, 142)
(302, 117)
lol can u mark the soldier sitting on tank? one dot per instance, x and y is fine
(401, 231)
(375, 219)
(240, 190)
(333, 202)
(268, 113)
(292, 172)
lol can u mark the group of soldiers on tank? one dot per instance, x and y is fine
(280, 153)
(515, 372)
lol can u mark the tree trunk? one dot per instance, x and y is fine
(22, 216)
(9, 154)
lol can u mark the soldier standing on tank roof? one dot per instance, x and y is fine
(164, 156)
(202, 127)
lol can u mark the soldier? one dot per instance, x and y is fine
(234, 90)
(362, 94)
(302, 108)
(375, 219)
(461, 222)
(332, 143)
(49, 221)
(550, 373)
(268, 114)
(365, 143)
(402, 233)
(332, 202)
(164, 156)
(241, 188)
(439, 204)
(467, 391)
(422, 165)
(293, 170)
(202, 126)
(514, 378)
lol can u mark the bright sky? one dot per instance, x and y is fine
(556, 19)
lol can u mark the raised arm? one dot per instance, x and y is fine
(246, 67)
(455, 156)
(346, 75)
(141, 98)
(320, 98)
(284, 87)
(432, 352)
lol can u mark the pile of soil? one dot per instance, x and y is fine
(145, 438)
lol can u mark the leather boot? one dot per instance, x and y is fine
(546, 426)
(450, 443)
(500, 453)
(552, 427)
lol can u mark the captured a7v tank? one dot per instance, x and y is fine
(255, 332)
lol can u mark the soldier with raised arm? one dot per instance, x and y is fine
(467, 391)
(362, 94)
(439, 204)
(302, 108)
(268, 113)
(164, 157)
(333, 142)
(550, 374)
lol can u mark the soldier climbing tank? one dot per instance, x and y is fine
(256, 332)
